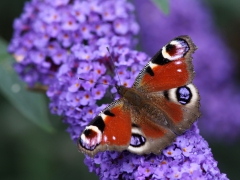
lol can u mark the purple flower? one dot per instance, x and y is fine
(172, 152)
(98, 92)
(214, 64)
(50, 30)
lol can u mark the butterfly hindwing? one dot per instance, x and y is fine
(170, 67)
(147, 136)
(187, 97)
(110, 130)
(180, 106)
(156, 124)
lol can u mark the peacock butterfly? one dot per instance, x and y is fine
(162, 104)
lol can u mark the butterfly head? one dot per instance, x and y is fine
(121, 90)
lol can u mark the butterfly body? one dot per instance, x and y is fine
(141, 103)
(162, 104)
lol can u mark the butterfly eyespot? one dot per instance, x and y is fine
(184, 45)
(184, 95)
(171, 49)
(90, 138)
(176, 49)
(137, 140)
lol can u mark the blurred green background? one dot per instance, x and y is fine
(29, 152)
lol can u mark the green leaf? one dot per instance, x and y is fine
(32, 105)
(163, 5)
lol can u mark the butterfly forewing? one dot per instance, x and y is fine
(110, 130)
(171, 67)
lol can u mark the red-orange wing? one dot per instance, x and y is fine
(171, 67)
(110, 130)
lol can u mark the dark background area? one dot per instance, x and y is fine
(28, 152)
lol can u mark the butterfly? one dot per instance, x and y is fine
(161, 105)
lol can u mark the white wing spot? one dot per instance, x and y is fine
(152, 65)
(103, 116)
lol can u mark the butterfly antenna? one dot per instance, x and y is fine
(114, 68)
(94, 82)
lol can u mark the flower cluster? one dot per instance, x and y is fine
(62, 44)
(46, 31)
(189, 157)
(213, 62)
